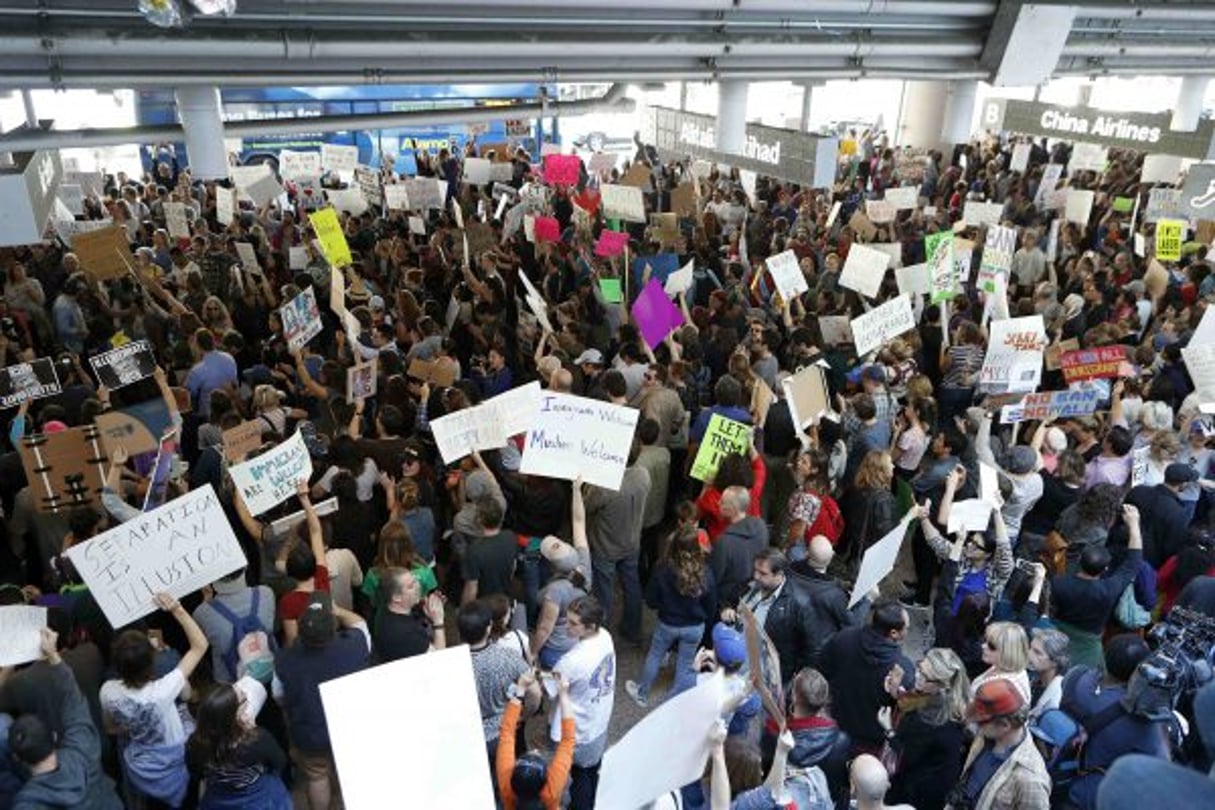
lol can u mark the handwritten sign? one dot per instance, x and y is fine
(396, 198)
(622, 202)
(177, 220)
(1092, 364)
(572, 436)
(882, 323)
(461, 432)
(998, 250)
(655, 315)
(880, 212)
(340, 159)
(34, 380)
(176, 548)
(1200, 362)
(1088, 157)
(271, 478)
(611, 243)
(1014, 355)
(786, 271)
(361, 381)
(977, 213)
(301, 319)
(722, 438)
(477, 171)
(127, 364)
(941, 268)
(902, 198)
(864, 270)
(515, 409)
(423, 193)
(21, 634)
(1169, 235)
(292, 165)
(913, 280)
(562, 170)
(243, 439)
(333, 240)
(104, 253)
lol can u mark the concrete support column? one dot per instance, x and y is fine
(808, 102)
(200, 113)
(920, 115)
(959, 111)
(1084, 94)
(731, 116)
(31, 115)
(1189, 103)
(683, 96)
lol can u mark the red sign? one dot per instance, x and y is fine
(1092, 364)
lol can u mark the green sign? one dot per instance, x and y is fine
(723, 437)
(610, 287)
(942, 271)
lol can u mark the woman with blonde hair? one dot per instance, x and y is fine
(269, 411)
(869, 507)
(215, 317)
(1006, 653)
(925, 733)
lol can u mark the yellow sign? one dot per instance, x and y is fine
(1169, 233)
(329, 233)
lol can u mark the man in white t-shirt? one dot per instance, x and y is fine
(590, 669)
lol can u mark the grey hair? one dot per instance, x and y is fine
(1056, 646)
(737, 497)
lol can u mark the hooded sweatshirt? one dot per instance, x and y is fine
(855, 663)
(78, 781)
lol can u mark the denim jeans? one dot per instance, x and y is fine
(533, 570)
(604, 586)
(666, 637)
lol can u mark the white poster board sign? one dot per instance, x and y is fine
(271, 478)
(1087, 157)
(880, 212)
(225, 205)
(177, 220)
(880, 324)
(396, 198)
(1020, 157)
(1160, 169)
(176, 548)
(1078, 206)
(977, 213)
(445, 768)
(1014, 355)
(914, 280)
(864, 270)
(878, 561)
(340, 159)
(301, 319)
(1200, 362)
(515, 409)
(622, 202)
(903, 197)
(573, 436)
(21, 634)
(787, 273)
(971, 515)
(477, 171)
(293, 165)
(461, 432)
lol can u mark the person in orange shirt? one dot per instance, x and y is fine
(530, 783)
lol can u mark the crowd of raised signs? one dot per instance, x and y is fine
(306, 463)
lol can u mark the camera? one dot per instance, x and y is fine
(9, 327)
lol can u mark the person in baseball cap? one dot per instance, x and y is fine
(1004, 767)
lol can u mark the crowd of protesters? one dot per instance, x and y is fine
(1040, 620)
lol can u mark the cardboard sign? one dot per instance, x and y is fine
(1104, 362)
(1014, 355)
(655, 315)
(638, 176)
(941, 268)
(611, 243)
(572, 436)
(864, 270)
(1055, 352)
(562, 170)
(177, 548)
(882, 323)
(22, 381)
(64, 469)
(361, 380)
(331, 236)
(271, 478)
(459, 433)
(862, 226)
(340, 159)
(683, 200)
(21, 634)
(878, 561)
(445, 768)
(104, 253)
(301, 319)
(763, 662)
(441, 373)
(127, 364)
(1169, 236)
(243, 439)
(136, 428)
(807, 395)
(723, 437)
(622, 202)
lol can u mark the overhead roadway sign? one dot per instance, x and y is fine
(1143, 132)
(786, 154)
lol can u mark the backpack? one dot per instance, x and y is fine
(1062, 738)
(252, 649)
(807, 787)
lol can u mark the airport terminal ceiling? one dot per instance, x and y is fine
(110, 44)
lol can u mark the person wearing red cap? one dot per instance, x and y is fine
(1003, 768)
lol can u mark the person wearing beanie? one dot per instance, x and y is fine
(1003, 767)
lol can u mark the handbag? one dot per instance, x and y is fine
(1129, 613)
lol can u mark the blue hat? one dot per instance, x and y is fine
(729, 645)
(1054, 727)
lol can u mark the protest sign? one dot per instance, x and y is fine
(1140, 464)
(970, 515)
(892, 249)
(396, 198)
(882, 323)
(1079, 206)
(787, 274)
(477, 171)
(683, 200)
(1169, 235)
(34, 380)
(835, 212)
(176, 220)
(1160, 169)
(722, 438)
(1055, 351)
(262, 191)
(963, 256)
(1196, 199)
(913, 280)
(564, 170)
(1050, 179)
(348, 200)
(329, 233)
(21, 634)
(338, 158)
(243, 439)
(863, 270)
(441, 373)
(297, 257)
(680, 280)
(248, 256)
(1020, 157)
(423, 193)
(444, 768)
(1092, 364)
(515, 408)
(301, 319)
(417, 225)
(158, 479)
(546, 229)
(878, 561)
(1204, 334)
(271, 478)
(461, 432)
(1014, 355)
(677, 733)
(655, 315)
(1167, 203)
(136, 428)
(361, 380)
(664, 228)
(601, 163)
(611, 243)
(807, 395)
(65, 469)
(942, 271)
(835, 329)
(998, 250)
(862, 226)
(1200, 362)
(1057, 404)
(1087, 157)
(638, 177)
(284, 524)
(611, 290)
(977, 213)
(572, 436)
(880, 212)
(177, 549)
(104, 253)
(68, 229)
(622, 202)
(292, 165)
(125, 365)
(763, 663)
(902, 198)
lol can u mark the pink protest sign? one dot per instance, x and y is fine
(547, 229)
(654, 314)
(562, 169)
(611, 243)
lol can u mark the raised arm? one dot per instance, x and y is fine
(194, 634)
(316, 538)
(310, 385)
(578, 517)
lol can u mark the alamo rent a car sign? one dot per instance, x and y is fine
(1144, 132)
(786, 154)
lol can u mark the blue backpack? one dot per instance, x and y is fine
(249, 636)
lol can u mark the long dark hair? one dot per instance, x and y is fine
(687, 561)
(218, 729)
